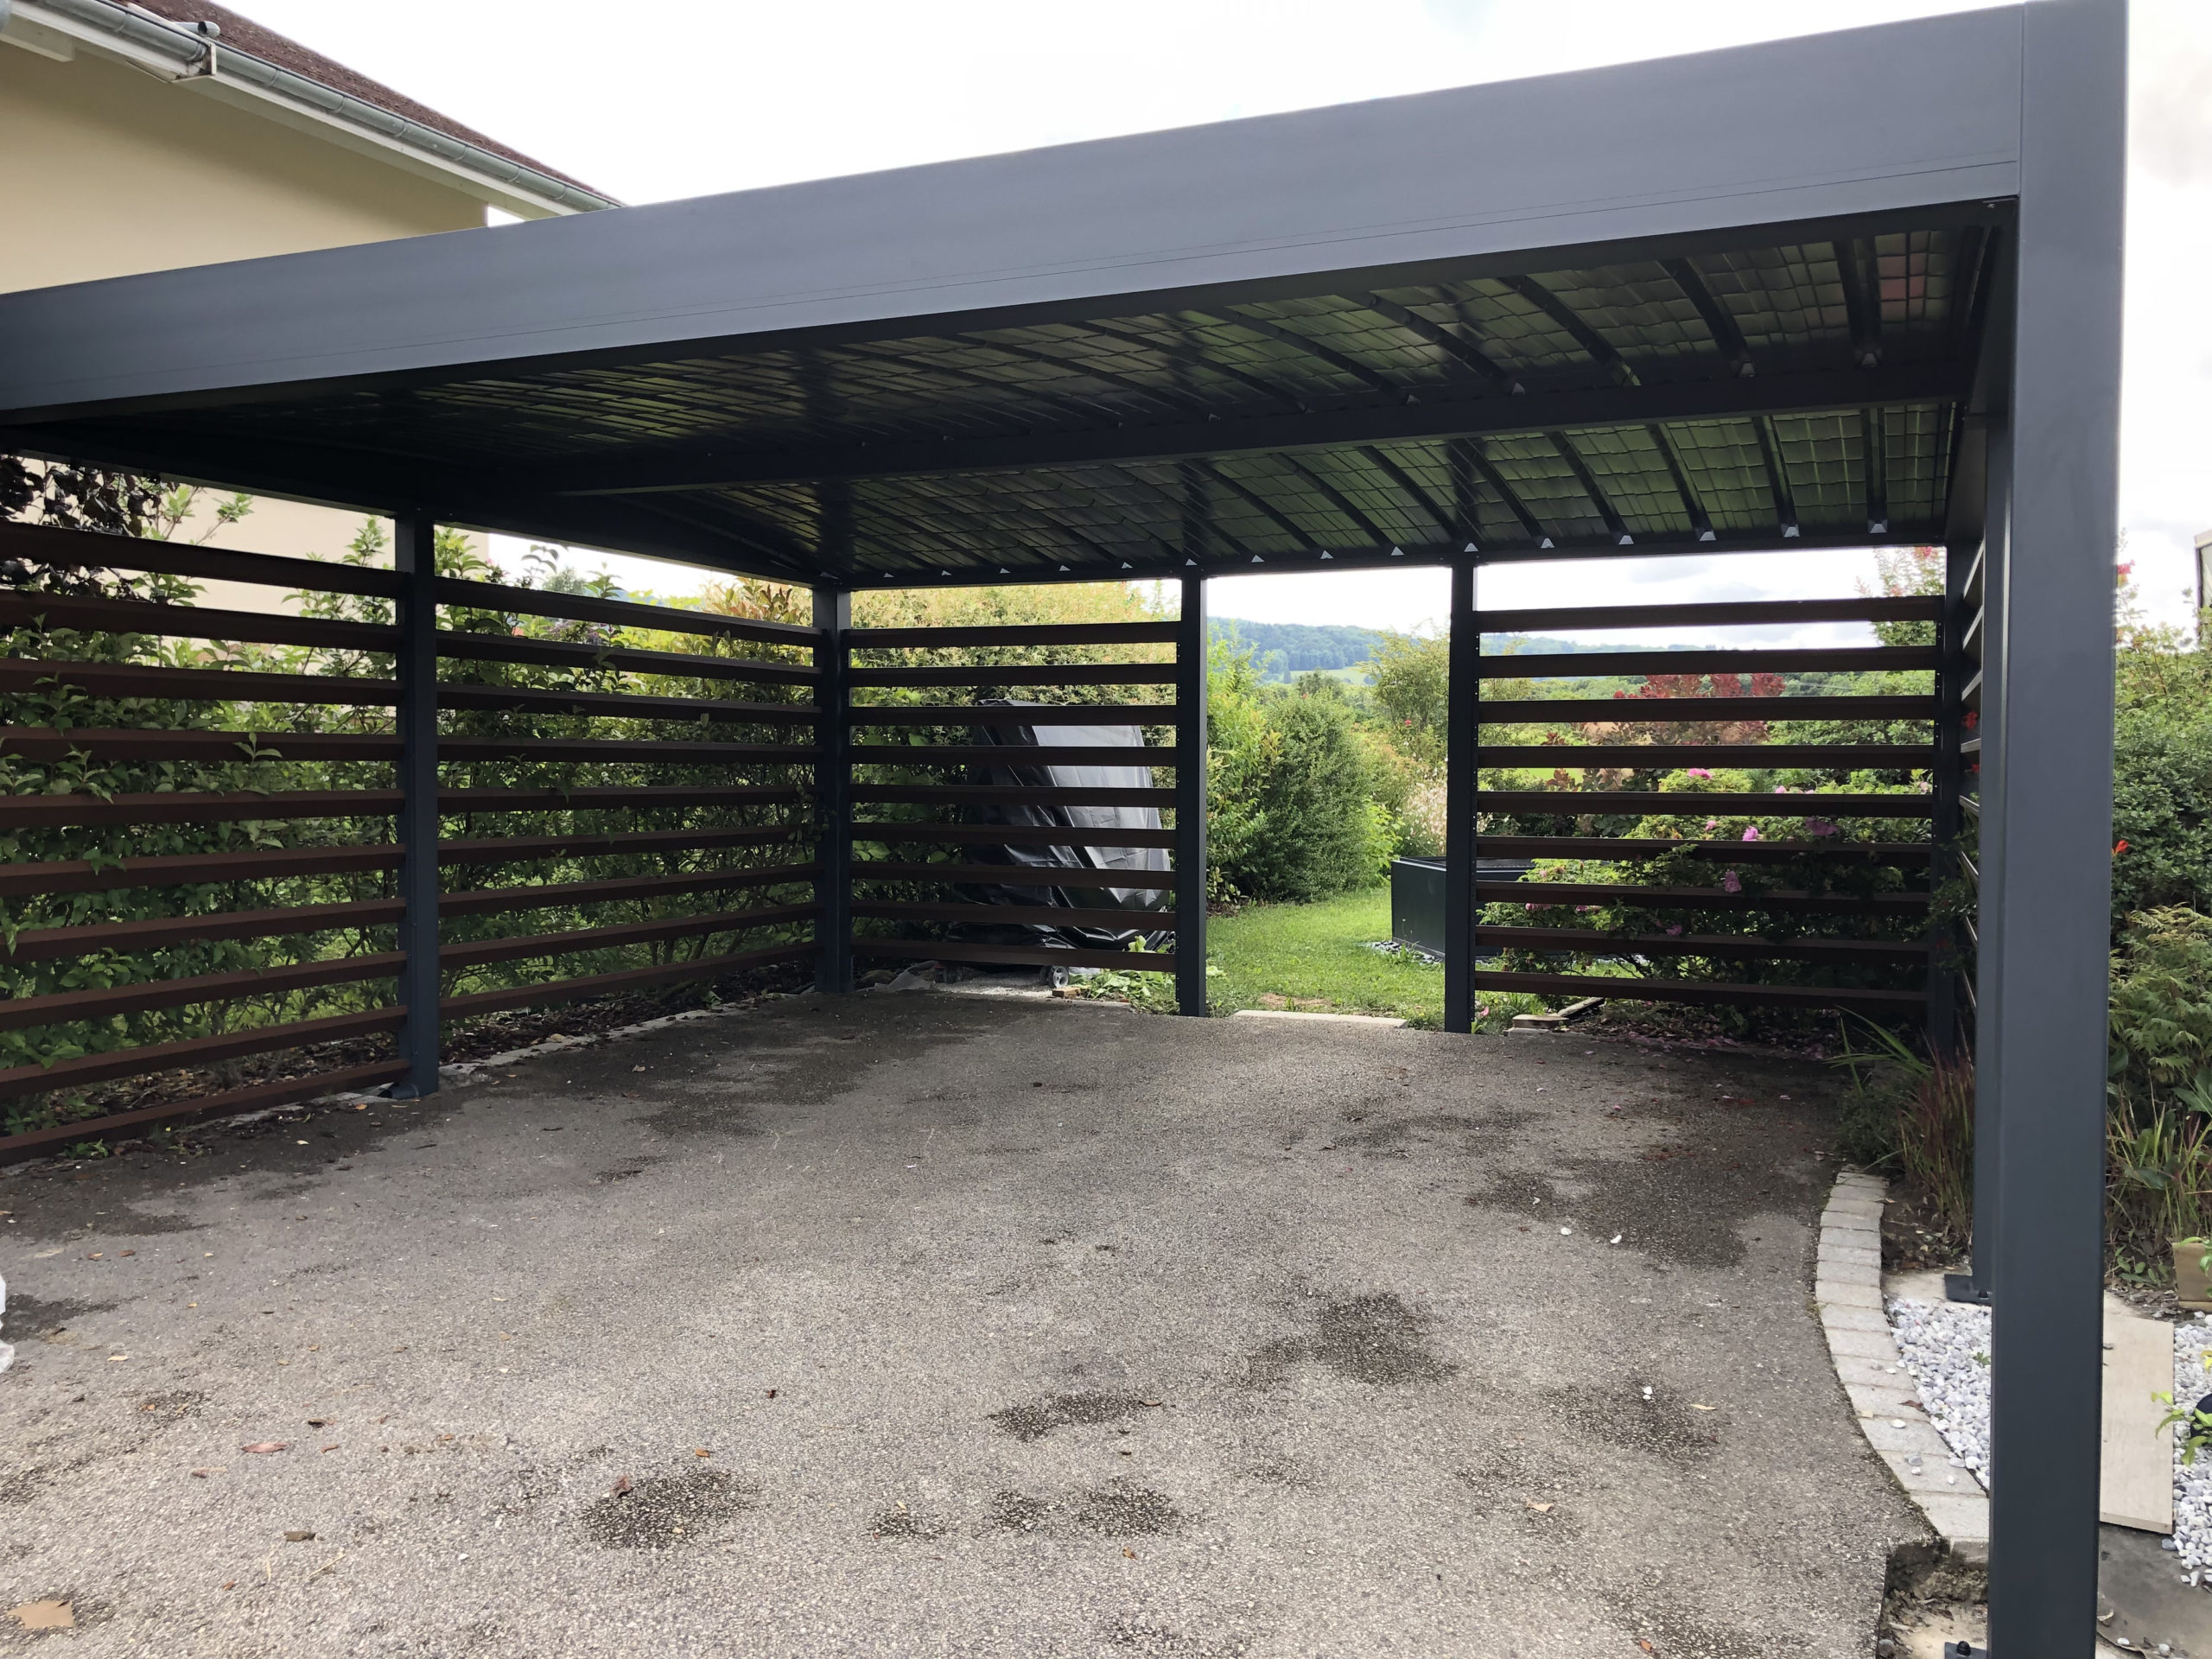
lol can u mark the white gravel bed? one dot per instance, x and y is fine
(1945, 1348)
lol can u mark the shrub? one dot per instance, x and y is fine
(1322, 834)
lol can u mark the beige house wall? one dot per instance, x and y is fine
(118, 171)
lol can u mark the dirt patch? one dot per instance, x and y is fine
(667, 1509)
(1018, 1512)
(1033, 1419)
(1667, 1425)
(1375, 1338)
(1120, 1510)
(899, 1522)
(27, 1316)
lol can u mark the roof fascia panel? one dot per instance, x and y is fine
(1865, 121)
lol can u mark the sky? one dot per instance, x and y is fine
(668, 98)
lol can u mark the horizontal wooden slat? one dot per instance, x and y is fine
(1749, 660)
(1004, 795)
(42, 811)
(1732, 613)
(1573, 802)
(81, 1071)
(1142, 921)
(105, 1001)
(1020, 955)
(1704, 944)
(481, 901)
(1005, 754)
(568, 941)
(1768, 851)
(558, 992)
(1021, 674)
(257, 1096)
(1654, 898)
(564, 653)
(80, 875)
(1748, 757)
(21, 610)
(1043, 633)
(1562, 711)
(1013, 875)
(1699, 991)
(48, 545)
(1011, 835)
(46, 743)
(159, 933)
(1048, 713)
(583, 607)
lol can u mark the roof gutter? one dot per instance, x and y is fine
(182, 52)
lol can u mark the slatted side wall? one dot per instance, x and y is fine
(197, 812)
(913, 715)
(1829, 908)
(1952, 978)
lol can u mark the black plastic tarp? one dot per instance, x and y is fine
(1066, 877)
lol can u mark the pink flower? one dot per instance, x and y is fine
(1732, 882)
(1584, 910)
(1676, 930)
(1782, 789)
(1821, 827)
(1531, 909)
(1751, 833)
(1700, 772)
(1713, 823)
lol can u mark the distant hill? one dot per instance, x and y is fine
(1282, 650)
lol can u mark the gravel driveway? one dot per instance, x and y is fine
(930, 1324)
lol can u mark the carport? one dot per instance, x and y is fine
(1856, 289)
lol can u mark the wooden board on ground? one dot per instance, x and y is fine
(2137, 1488)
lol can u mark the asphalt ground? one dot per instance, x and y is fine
(930, 1324)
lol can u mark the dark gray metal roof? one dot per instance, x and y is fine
(1708, 302)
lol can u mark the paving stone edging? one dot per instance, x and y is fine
(1847, 1293)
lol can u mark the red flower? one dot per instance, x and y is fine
(2118, 848)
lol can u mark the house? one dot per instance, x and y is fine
(178, 133)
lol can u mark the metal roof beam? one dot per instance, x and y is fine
(1600, 350)
(1873, 442)
(1460, 350)
(1717, 323)
(1777, 479)
(1411, 486)
(1307, 345)
(706, 465)
(1700, 525)
(1487, 470)
(1615, 527)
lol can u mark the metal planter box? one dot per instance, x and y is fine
(1417, 897)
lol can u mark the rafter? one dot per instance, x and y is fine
(1407, 482)
(1339, 500)
(1460, 350)
(1718, 321)
(1182, 351)
(1700, 525)
(1777, 477)
(1873, 435)
(1030, 353)
(1600, 349)
(1505, 492)
(1614, 525)
(1861, 303)
(1311, 347)
(1229, 480)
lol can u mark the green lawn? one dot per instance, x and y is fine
(1318, 956)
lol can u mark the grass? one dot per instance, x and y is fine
(1316, 956)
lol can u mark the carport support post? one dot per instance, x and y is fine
(1191, 799)
(414, 555)
(1460, 774)
(2056, 802)
(833, 791)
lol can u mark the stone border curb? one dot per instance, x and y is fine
(1847, 1293)
(1382, 1020)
